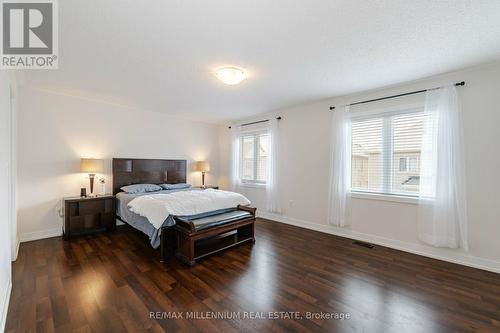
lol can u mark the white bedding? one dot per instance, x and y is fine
(157, 207)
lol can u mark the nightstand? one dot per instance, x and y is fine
(213, 187)
(84, 215)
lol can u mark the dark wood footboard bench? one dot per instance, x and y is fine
(201, 237)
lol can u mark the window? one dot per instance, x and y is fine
(408, 164)
(254, 158)
(413, 164)
(386, 152)
(403, 163)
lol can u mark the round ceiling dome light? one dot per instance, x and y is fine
(230, 75)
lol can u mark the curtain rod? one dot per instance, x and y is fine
(257, 122)
(399, 95)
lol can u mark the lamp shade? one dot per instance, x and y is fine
(202, 166)
(91, 165)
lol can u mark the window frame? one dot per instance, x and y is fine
(251, 182)
(387, 149)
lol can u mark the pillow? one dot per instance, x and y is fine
(175, 186)
(141, 188)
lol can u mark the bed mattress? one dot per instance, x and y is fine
(142, 224)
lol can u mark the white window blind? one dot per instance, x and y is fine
(386, 152)
(254, 157)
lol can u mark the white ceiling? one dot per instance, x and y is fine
(161, 55)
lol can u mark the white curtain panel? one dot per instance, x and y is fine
(273, 182)
(442, 218)
(235, 159)
(340, 168)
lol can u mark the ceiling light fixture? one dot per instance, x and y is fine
(230, 75)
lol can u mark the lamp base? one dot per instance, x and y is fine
(91, 178)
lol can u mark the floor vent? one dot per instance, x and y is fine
(363, 244)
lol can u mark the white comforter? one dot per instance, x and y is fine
(157, 207)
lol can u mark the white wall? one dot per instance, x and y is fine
(306, 142)
(7, 227)
(55, 131)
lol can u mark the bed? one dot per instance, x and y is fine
(158, 171)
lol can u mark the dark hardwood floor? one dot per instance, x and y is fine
(111, 282)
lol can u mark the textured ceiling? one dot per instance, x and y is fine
(161, 55)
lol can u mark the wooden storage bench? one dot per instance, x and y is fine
(201, 237)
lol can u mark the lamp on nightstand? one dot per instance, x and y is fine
(91, 166)
(203, 167)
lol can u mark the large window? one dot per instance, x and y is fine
(386, 152)
(254, 157)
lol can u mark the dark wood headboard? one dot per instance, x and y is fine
(128, 171)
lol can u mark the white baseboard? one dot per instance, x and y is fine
(420, 249)
(35, 235)
(17, 249)
(42, 234)
(6, 301)
(54, 232)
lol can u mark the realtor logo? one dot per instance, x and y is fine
(29, 34)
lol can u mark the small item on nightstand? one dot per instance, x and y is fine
(83, 192)
(102, 182)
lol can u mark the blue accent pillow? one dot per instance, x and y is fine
(141, 188)
(175, 186)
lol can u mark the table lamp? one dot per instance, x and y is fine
(91, 166)
(203, 167)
